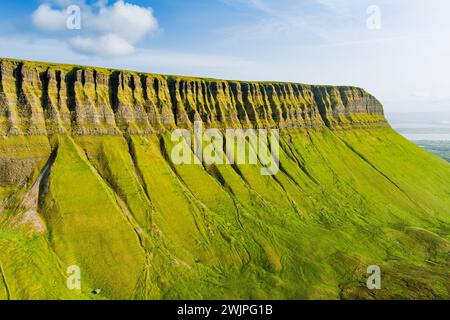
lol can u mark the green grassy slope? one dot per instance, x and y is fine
(141, 227)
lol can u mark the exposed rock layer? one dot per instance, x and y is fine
(38, 99)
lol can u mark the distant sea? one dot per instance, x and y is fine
(429, 130)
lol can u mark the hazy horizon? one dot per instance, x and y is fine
(421, 126)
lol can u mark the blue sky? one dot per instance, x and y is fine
(398, 50)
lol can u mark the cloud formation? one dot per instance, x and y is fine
(105, 30)
(47, 19)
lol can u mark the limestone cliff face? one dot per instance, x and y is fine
(38, 99)
(87, 179)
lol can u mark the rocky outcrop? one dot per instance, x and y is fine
(38, 99)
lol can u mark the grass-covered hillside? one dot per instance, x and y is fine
(350, 193)
(139, 227)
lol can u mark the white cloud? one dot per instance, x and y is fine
(106, 45)
(48, 19)
(106, 30)
(126, 20)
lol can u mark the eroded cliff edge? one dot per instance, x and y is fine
(40, 99)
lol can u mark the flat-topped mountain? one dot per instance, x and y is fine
(92, 206)
(40, 98)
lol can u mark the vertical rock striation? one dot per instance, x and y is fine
(38, 99)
